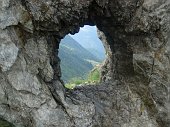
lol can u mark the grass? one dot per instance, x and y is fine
(92, 78)
(74, 82)
(94, 75)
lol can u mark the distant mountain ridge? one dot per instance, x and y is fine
(88, 38)
(75, 59)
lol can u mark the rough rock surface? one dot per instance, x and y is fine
(135, 88)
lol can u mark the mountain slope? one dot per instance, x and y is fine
(88, 38)
(75, 60)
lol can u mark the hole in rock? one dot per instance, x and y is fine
(81, 57)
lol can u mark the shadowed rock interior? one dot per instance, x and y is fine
(135, 85)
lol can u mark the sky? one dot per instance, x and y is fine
(87, 28)
(88, 38)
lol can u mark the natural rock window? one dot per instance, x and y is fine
(135, 79)
(82, 56)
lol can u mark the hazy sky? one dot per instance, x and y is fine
(88, 38)
(84, 31)
(87, 28)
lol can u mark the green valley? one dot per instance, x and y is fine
(76, 61)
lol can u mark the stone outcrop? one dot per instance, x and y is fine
(135, 87)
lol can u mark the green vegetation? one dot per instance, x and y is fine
(74, 82)
(78, 65)
(76, 61)
(4, 123)
(93, 77)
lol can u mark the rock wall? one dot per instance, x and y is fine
(135, 87)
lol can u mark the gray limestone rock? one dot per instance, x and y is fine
(135, 87)
(8, 51)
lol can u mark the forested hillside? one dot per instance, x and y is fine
(76, 61)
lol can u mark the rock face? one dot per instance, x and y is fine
(135, 88)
